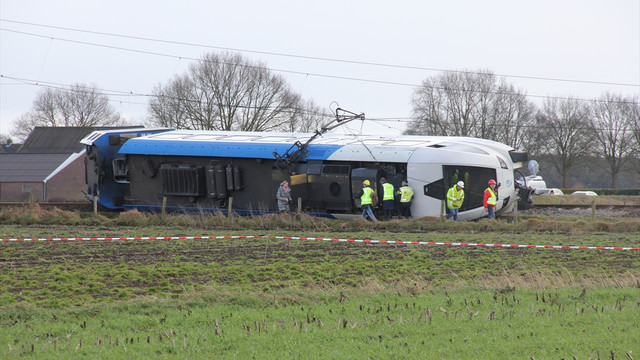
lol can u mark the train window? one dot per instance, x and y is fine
(275, 139)
(408, 143)
(205, 137)
(475, 182)
(120, 171)
(503, 164)
(168, 136)
(463, 148)
(238, 138)
(335, 169)
(328, 141)
(374, 142)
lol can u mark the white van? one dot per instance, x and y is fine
(551, 191)
(535, 182)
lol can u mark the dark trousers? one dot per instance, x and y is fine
(405, 210)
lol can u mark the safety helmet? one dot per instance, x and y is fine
(461, 184)
(492, 182)
(366, 183)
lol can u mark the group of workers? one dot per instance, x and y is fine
(369, 199)
(455, 198)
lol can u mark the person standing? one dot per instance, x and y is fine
(284, 197)
(388, 199)
(366, 200)
(406, 195)
(455, 198)
(490, 199)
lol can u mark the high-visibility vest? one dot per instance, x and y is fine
(365, 199)
(406, 194)
(454, 194)
(493, 198)
(388, 191)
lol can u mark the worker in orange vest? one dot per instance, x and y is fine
(490, 199)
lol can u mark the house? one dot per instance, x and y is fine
(42, 177)
(48, 167)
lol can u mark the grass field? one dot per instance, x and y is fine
(278, 298)
(587, 200)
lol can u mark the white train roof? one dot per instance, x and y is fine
(329, 146)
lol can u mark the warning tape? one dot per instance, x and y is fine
(462, 244)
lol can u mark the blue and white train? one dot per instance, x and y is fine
(182, 170)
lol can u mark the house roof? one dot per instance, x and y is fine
(9, 148)
(55, 140)
(29, 167)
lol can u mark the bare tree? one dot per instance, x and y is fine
(225, 92)
(512, 117)
(80, 105)
(635, 126)
(308, 118)
(611, 127)
(472, 104)
(565, 123)
(5, 139)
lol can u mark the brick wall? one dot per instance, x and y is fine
(13, 192)
(68, 184)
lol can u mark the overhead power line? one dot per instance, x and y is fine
(278, 70)
(116, 93)
(399, 66)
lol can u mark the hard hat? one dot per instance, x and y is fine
(492, 182)
(461, 184)
(366, 183)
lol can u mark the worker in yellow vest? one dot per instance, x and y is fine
(491, 199)
(367, 196)
(406, 196)
(455, 198)
(388, 199)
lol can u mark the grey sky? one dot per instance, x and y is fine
(583, 40)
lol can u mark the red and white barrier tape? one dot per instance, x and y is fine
(463, 244)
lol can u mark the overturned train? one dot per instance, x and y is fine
(149, 169)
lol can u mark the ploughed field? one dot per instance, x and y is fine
(54, 273)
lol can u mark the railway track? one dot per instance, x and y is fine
(587, 206)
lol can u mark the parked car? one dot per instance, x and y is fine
(551, 191)
(584, 193)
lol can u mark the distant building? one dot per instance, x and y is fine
(42, 177)
(47, 167)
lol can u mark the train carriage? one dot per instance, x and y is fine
(208, 170)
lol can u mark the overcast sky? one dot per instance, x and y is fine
(367, 56)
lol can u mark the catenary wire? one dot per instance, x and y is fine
(399, 66)
(379, 120)
(285, 71)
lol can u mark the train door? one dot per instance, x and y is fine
(475, 182)
(427, 183)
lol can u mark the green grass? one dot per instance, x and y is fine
(466, 323)
(278, 299)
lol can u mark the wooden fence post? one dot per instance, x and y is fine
(164, 205)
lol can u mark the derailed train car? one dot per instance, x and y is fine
(207, 170)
